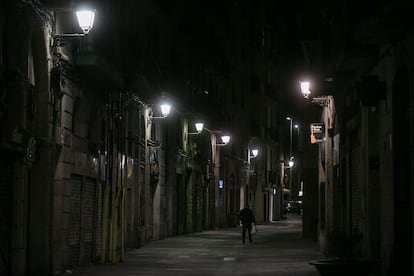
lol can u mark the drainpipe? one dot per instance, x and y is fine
(114, 228)
(104, 223)
(108, 167)
(123, 225)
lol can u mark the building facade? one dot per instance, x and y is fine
(88, 167)
(362, 57)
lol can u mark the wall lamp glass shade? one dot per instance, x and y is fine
(165, 109)
(199, 127)
(85, 20)
(255, 152)
(225, 139)
(304, 88)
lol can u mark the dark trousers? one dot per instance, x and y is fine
(247, 227)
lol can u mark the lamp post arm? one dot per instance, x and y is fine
(60, 40)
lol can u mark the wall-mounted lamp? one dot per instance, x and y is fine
(225, 139)
(305, 90)
(199, 128)
(251, 153)
(165, 111)
(222, 140)
(85, 21)
(291, 162)
(221, 184)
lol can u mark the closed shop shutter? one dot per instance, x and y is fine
(98, 219)
(85, 221)
(75, 221)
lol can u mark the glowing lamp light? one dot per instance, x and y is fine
(291, 162)
(221, 184)
(85, 20)
(304, 88)
(255, 152)
(165, 109)
(199, 127)
(225, 139)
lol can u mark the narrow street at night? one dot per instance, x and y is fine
(277, 249)
(136, 135)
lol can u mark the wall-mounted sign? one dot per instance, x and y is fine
(317, 131)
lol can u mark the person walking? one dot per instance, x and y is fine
(247, 219)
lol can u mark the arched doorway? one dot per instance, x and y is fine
(402, 152)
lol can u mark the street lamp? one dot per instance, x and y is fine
(199, 126)
(85, 18)
(165, 111)
(252, 153)
(225, 139)
(291, 162)
(165, 107)
(305, 90)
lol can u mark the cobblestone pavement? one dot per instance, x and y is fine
(277, 249)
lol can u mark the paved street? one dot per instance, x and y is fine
(277, 249)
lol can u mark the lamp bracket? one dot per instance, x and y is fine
(150, 118)
(220, 144)
(322, 101)
(160, 117)
(245, 162)
(60, 40)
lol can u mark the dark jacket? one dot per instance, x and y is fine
(246, 216)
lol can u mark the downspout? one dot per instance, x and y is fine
(104, 223)
(122, 258)
(118, 211)
(115, 213)
(123, 176)
(105, 208)
(114, 227)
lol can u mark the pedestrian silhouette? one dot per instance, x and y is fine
(246, 219)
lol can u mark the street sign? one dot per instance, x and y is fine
(317, 131)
